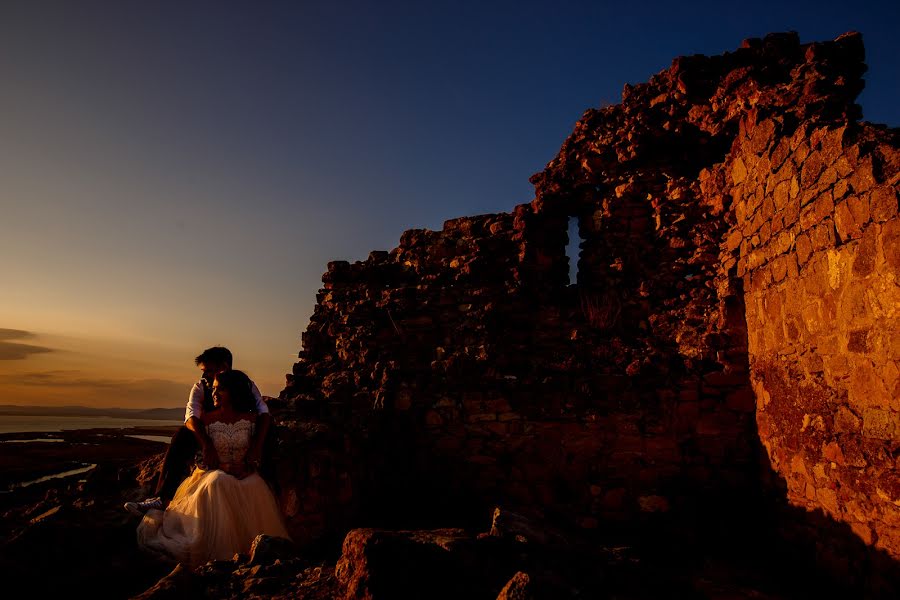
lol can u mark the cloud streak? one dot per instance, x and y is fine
(14, 334)
(15, 350)
(98, 390)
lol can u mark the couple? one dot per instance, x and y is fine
(224, 504)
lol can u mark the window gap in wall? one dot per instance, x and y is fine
(573, 249)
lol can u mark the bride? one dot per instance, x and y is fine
(217, 513)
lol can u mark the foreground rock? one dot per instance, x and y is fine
(518, 558)
(272, 570)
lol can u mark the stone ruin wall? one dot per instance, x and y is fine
(460, 370)
(817, 240)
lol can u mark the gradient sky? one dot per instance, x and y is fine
(175, 175)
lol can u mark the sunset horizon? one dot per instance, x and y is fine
(173, 178)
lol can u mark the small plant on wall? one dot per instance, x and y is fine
(601, 309)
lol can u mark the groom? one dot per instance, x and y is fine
(193, 436)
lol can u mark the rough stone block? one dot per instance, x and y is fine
(858, 341)
(879, 424)
(866, 386)
(791, 214)
(866, 254)
(819, 209)
(828, 177)
(653, 504)
(804, 248)
(845, 421)
(782, 195)
(862, 179)
(779, 268)
(734, 240)
(800, 153)
(888, 539)
(738, 171)
(832, 144)
(890, 245)
(832, 452)
(827, 497)
(863, 532)
(883, 204)
(854, 307)
(837, 368)
(822, 236)
(811, 169)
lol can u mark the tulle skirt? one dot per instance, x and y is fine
(212, 516)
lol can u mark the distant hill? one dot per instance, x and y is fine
(162, 414)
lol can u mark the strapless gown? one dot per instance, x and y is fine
(213, 514)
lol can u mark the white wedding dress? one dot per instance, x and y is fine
(213, 514)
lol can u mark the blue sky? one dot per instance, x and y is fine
(175, 175)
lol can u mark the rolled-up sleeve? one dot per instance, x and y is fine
(195, 403)
(260, 405)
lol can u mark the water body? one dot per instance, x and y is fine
(152, 438)
(45, 423)
(86, 468)
(68, 473)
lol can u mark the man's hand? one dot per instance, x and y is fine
(210, 457)
(253, 456)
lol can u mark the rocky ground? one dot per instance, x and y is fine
(71, 536)
(515, 558)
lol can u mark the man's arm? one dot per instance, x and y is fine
(254, 452)
(198, 428)
(261, 406)
(263, 422)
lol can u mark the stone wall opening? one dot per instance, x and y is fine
(573, 249)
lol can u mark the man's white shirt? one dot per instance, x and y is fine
(195, 401)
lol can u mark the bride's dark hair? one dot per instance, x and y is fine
(239, 387)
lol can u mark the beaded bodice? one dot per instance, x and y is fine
(231, 440)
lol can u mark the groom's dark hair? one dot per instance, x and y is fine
(218, 355)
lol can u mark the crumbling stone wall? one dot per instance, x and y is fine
(816, 239)
(461, 370)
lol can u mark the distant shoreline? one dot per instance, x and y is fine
(156, 414)
(23, 460)
(57, 423)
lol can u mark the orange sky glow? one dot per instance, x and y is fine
(40, 369)
(175, 176)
